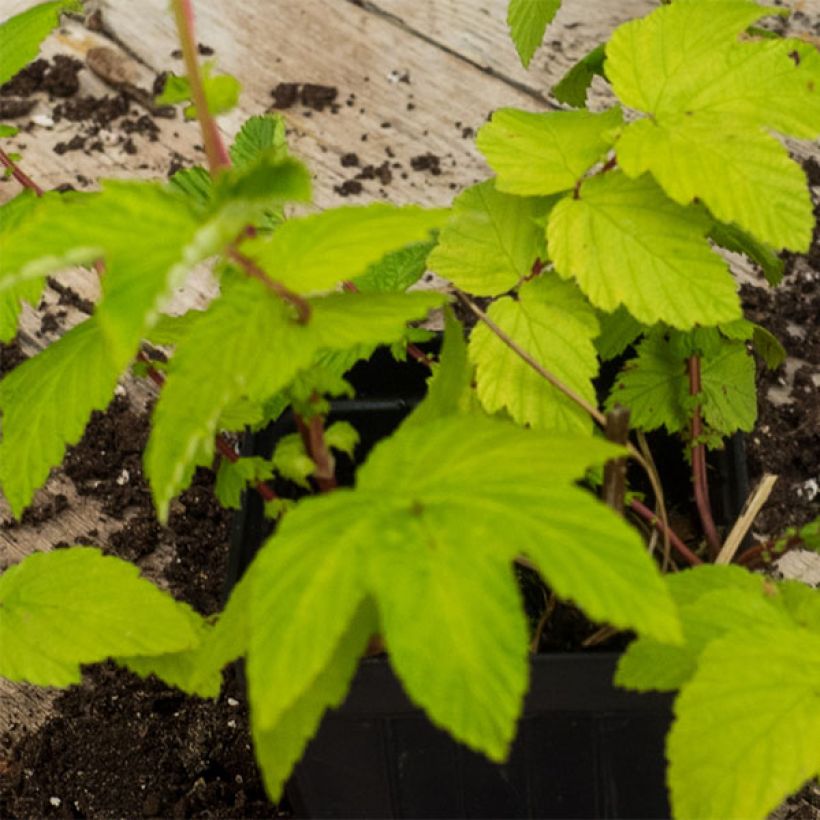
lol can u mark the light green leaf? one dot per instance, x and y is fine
(247, 345)
(45, 405)
(728, 390)
(513, 488)
(291, 461)
(540, 154)
(397, 270)
(314, 253)
(279, 747)
(258, 135)
(709, 95)
(742, 175)
(74, 606)
(528, 20)
(618, 330)
(195, 183)
(573, 86)
(491, 241)
(221, 91)
(307, 586)
(8, 130)
(761, 740)
(21, 35)
(553, 322)
(233, 477)
(342, 436)
(627, 244)
(734, 239)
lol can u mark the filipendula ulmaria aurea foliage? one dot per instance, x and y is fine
(588, 238)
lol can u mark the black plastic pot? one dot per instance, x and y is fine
(583, 748)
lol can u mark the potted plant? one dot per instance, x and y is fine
(597, 233)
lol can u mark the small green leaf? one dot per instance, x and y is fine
(761, 742)
(572, 88)
(21, 35)
(314, 253)
(627, 244)
(233, 477)
(540, 154)
(491, 241)
(342, 436)
(553, 322)
(292, 462)
(46, 403)
(69, 607)
(221, 91)
(734, 239)
(8, 130)
(257, 136)
(619, 329)
(396, 271)
(768, 347)
(528, 20)
(195, 183)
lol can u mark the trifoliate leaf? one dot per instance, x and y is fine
(21, 35)
(761, 741)
(74, 606)
(396, 271)
(540, 154)
(279, 746)
(221, 91)
(45, 405)
(342, 436)
(248, 345)
(741, 174)
(553, 322)
(572, 88)
(258, 135)
(618, 330)
(528, 20)
(292, 462)
(314, 253)
(491, 241)
(734, 239)
(709, 94)
(233, 477)
(627, 244)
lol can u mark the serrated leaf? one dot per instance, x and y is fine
(291, 460)
(396, 271)
(491, 241)
(45, 405)
(729, 393)
(742, 175)
(552, 322)
(233, 477)
(572, 88)
(258, 135)
(540, 154)
(762, 739)
(709, 95)
(247, 345)
(626, 243)
(195, 183)
(734, 239)
(619, 329)
(280, 746)
(21, 35)
(314, 253)
(342, 436)
(74, 606)
(527, 21)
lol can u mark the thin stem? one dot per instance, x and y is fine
(699, 479)
(614, 486)
(660, 501)
(312, 433)
(253, 270)
(647, 514)
(23, 178)
(215, 150)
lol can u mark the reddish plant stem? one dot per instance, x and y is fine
(699, 479)
(215, 151)
(757, 556)
(301, 305)
(23, 178)
(674, 539)
(312, 433)
(222, 444)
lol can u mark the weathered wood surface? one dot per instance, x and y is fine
(460, 66)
